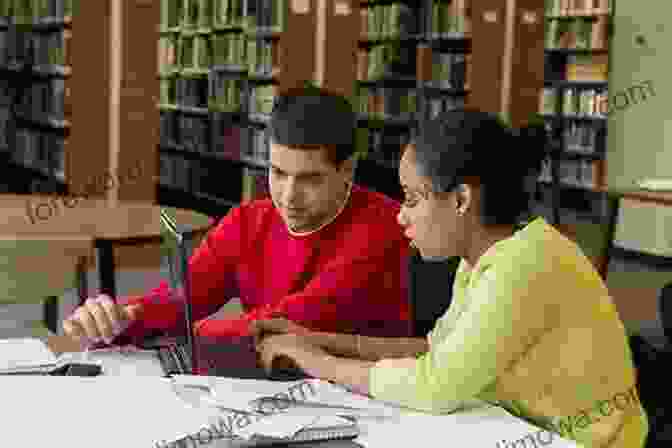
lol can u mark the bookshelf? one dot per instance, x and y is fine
(34, 109)
(574, 103)
(412, 62)
(418, 58)
(221, 63)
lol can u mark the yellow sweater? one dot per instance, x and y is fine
(533, 329)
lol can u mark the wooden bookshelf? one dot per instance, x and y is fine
(34, 84)
(573, 102)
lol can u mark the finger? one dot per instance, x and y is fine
(83, 316)
(100, 320)
(112, 317)
(253, 329)
(73, 329)
(275, 325)
(132, 312)
(267, 360)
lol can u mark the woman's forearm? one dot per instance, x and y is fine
(368, 348)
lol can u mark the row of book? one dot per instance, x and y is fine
(38, 149)
(226, 94)
(218, 92)
(576, 173)
(449, 70)
(580, 138)
(180, 173)
(223, 14)
(44, 99)
(580, 33)
(388, 21)
(383, 60)
(45, 48)
(202, 52)
(255, 184)
(387, 102)
(35, 11)
(576, 101)
(439, 104)
(577, 7)
(587, 68)
(193, 133)
(198, 176)
(450, 18)
(185, 91)
(260, 100)
(258, 146)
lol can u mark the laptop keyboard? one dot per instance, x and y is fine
(175, 359)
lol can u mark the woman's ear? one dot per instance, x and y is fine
(464, 198)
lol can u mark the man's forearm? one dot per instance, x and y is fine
(368, 348)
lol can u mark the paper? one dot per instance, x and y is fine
(23, 353)
(120, 361)
(239, 393)
(479, 427)
(105, 412)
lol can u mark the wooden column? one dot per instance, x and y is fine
(508, 57)
(527, 62)
(341, 42)
(297, 44)
(138, 159)
(112, 150)
(87, 150)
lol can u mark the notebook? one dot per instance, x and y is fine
(289, 428)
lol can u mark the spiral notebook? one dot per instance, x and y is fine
(331, 429)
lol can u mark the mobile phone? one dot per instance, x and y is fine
(77, 369)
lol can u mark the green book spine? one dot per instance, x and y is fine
(251, 55)
(436, 22)
(393, 20)
(164, 14)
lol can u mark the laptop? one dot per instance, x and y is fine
(230, 357)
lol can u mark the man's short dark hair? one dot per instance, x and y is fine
(313, 118)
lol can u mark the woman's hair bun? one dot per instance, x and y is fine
(532, 145)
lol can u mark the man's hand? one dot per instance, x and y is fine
(291, 349)
(260, 329)
(100, 319)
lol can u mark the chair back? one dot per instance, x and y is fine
(430, 291)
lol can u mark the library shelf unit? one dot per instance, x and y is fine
(34, 112)
(573, 105)
(412, 61)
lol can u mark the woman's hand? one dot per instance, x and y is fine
(289, 347)
(263, 328)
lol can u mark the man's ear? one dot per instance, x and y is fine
(348, 168)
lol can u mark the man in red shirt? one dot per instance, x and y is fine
(321, 252)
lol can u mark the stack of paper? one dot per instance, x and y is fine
(309, 406)
(105, 412)
(25, 355)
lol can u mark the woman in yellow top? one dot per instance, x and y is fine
(531, 328)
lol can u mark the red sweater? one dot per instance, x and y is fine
(350, 276)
